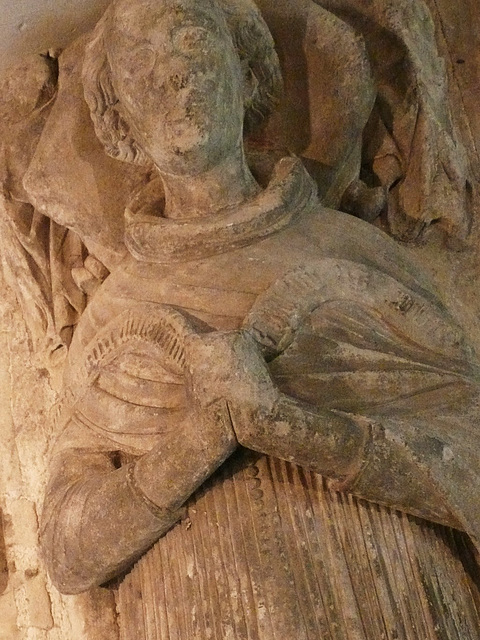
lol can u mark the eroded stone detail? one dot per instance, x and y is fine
(218, 306)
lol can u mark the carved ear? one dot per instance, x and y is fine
(110, 127)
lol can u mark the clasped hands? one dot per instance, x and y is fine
(227, 369)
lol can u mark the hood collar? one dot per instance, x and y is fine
(151, 238)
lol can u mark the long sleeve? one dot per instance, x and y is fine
(94, 524)
(387, 463)
(98, 519)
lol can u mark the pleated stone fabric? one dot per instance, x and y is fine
(268, 552)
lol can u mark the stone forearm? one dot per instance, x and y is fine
(97, 519)
(352, 451)
(95, 528)
(170, 473)
(330, 443)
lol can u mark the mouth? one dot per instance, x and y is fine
(187, 135)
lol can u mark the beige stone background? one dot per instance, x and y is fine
(35, 26)
(29, 608)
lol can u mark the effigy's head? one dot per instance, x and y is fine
(174, 82)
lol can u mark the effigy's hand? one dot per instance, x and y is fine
(227, 383)
(227, 373)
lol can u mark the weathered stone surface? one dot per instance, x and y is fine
(239, 313)
(359, 572)
(71, 179)
(30, 607)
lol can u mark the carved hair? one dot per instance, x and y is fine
(255, 48)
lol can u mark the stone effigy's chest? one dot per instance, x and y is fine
(221, 289)
(340, 334)
(266, 551)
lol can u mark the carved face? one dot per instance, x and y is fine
(178, 80)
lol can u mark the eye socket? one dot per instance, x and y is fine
(179, 81)
(187, 39)
(140, 62)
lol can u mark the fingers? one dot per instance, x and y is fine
(229, 365)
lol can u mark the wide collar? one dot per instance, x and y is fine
(152, 238)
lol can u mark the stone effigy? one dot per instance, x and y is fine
(249, 338)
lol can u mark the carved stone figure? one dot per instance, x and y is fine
(229, 337)
(242, 315)
(397, 123)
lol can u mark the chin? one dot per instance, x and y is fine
(192, 162)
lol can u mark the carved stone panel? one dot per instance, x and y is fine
(204, 219)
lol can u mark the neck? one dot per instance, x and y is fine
(226, 185)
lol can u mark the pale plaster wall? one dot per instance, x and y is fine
(30, 608)
(35, 26)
